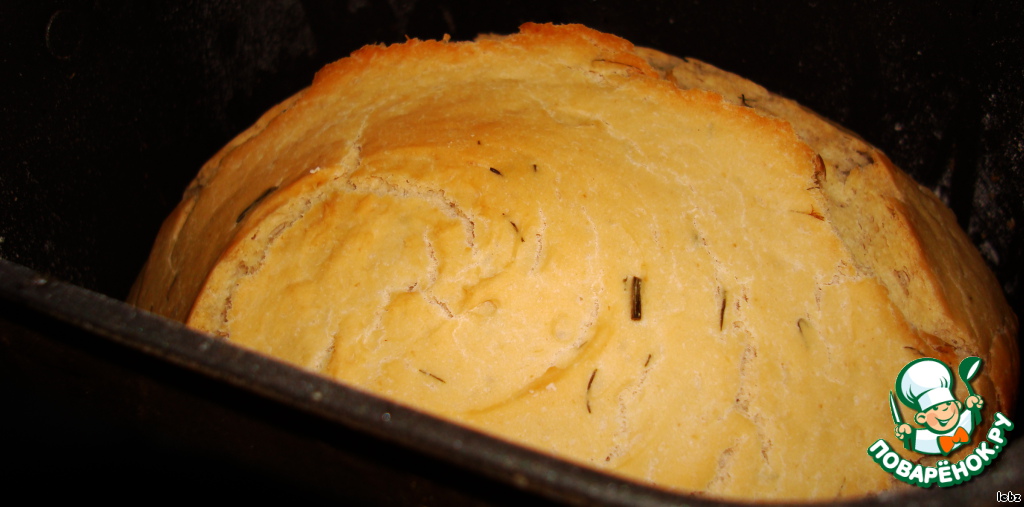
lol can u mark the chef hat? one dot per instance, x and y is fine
(924, 383)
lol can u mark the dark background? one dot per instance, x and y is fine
(109, 107)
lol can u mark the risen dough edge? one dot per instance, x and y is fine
(457, 226)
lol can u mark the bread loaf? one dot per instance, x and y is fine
(632, 261)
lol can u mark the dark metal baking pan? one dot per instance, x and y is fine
(110, 107)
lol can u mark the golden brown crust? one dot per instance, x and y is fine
(637, 262)
(191, 239)
(896, 229)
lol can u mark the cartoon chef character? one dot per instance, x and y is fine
(925, 385)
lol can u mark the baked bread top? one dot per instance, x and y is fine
(633, 261)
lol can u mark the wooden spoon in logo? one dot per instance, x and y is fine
(969, 369)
